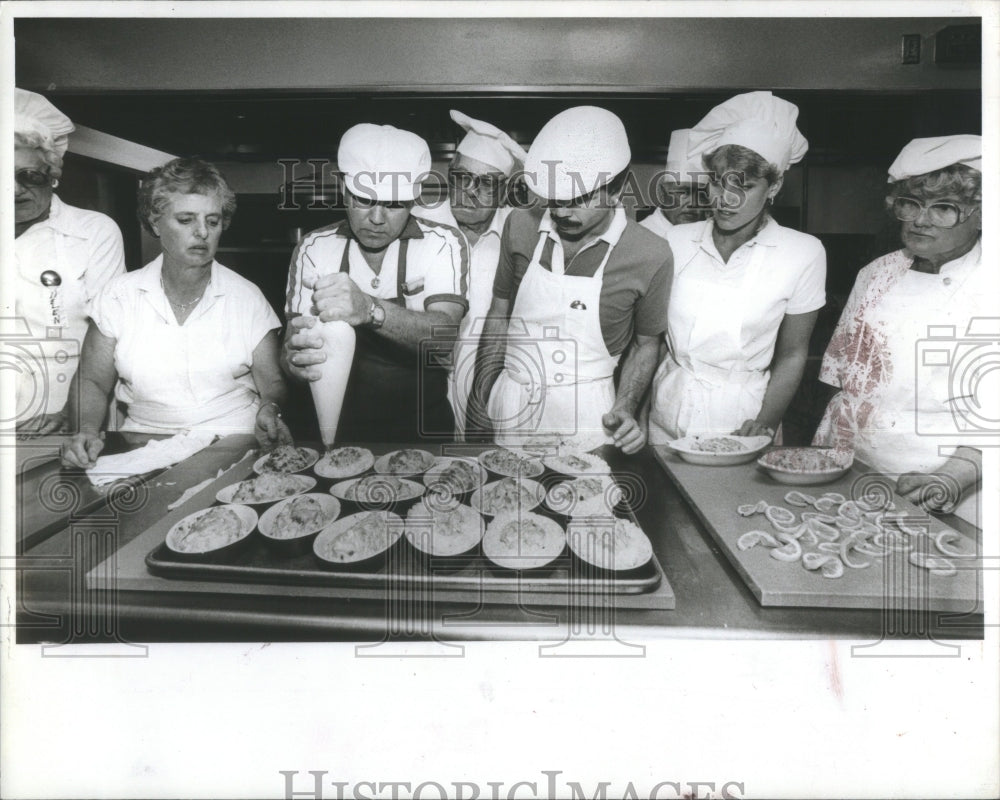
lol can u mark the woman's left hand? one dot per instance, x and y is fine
(940, 491)
(751, 427)
(270, 428)
(44, 424)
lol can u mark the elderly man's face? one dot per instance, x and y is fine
(476, 190)
(30, 202)
(924, 239)
(376, 224)
(679, 202)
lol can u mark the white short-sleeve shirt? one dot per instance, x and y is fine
(657, 223)
(437, 265)
(780, 271)
(85, 249)
(194, 376)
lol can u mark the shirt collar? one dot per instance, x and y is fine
(412, 230)
(969, 259)
(767, 236)
(611, 235)
(149, 278)
(63, 221)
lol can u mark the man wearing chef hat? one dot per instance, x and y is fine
(63, 257)
(401, 282)
(681, 191)
(477, 180)
(577, 285)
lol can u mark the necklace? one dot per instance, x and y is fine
(182, 306)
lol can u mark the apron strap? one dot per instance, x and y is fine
(345, 266)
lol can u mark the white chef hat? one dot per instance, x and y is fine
(576, 152)
(758, 121)
(686, 169)
(487, 143)
(383, 163)
(33, 113)
(927, 155)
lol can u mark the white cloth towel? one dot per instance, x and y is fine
(156, 454)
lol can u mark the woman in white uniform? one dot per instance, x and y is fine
(746, 291)
(63, 257)
(903, 410)
(185, 343)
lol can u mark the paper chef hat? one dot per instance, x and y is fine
(576, 152)
(927, 155)
(487, 143)
(758, 121)
(32, 112)
(383, 162)
(688, 170)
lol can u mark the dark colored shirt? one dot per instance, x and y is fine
(636, 288)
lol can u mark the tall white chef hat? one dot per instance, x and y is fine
(383, 163)
(33, 113)
(758, 121)
(687, 170)
(927, 155)
(577, 151)
(487, 143)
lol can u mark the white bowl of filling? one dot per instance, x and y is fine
(290, 524)
(267, 488)
(359, 541)
(212, 531)
(507, 494)
(286, 460)
(611, 544)
(444, 531)
(805, 466)
(719, 451)
(344, 462)
(523, 540)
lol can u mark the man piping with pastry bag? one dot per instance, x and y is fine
(577, 286)
(401, 282)
(682, 191)
(477, 189)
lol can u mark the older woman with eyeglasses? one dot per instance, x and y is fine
(185, 343)
(63, 256)
(896, 407)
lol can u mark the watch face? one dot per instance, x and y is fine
(378, 315)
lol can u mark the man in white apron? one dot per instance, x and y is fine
(577, 285)
(682, 191)
(478, 182)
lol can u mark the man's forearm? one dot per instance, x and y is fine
(637, 372)
(410, 328)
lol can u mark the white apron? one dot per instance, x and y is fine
(691, 393)
(558, 373)
(909, 427)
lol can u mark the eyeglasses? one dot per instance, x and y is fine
(471, 182)
(940, 215)
(31, 178)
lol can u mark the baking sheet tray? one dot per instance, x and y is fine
(146, 565)
(889, 583)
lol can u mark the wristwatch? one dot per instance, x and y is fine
(376, 315)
